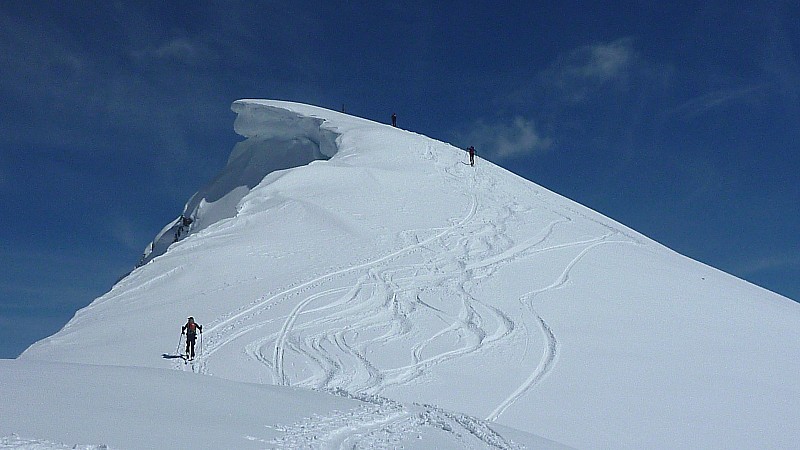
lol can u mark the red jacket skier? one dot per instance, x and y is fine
(190, 329)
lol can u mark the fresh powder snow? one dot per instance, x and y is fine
(362, 286)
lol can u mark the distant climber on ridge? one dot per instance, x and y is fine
(190, 329)
(471, 151)
(394, 119)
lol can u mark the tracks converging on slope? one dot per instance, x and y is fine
(419, 300)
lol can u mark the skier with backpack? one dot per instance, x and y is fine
(471, 151)
(190, 329)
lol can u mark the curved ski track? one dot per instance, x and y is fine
(370, 304)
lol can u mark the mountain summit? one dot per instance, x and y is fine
(337, 254)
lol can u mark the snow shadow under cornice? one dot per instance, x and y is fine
(275, 139)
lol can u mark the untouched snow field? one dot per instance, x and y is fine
(447, 306)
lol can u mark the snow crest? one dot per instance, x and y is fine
(276, 139)
(454, 303)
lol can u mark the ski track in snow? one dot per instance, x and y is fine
(380, 423)
(369, 304)
(16, 442)
(227, 326)
(545, 365)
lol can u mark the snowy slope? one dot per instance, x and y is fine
(382, 264)
(53, 406)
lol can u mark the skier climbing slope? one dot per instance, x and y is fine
(190, 329)
(333, 253)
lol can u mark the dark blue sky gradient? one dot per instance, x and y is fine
(681, 121)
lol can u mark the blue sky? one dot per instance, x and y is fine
(680, 120)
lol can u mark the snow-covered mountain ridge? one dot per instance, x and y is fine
(334, 253)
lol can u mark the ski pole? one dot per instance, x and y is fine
(178, 350)
(201, 343)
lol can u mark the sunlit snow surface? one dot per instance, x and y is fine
(429, 295)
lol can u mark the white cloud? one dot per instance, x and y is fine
(180, 49)
(586, 68)
(698, 105)
(769, 263)
(604, 62)
(125, 233)
(504, 140)
(177, 50)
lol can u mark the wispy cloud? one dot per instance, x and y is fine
(699, 105)
(95, 106)
(585, 68)
(597, 95)
(179, 50)
(38, 60)
(124, 231)
(769, 263)
(506, 139)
